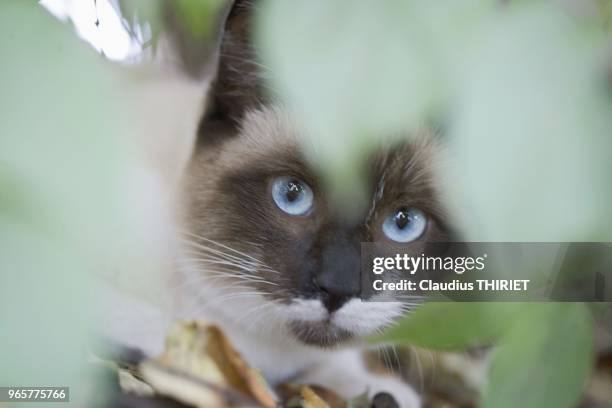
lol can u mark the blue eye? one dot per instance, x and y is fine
(405, 225)
(292, 196)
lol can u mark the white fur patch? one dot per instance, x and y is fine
(356, 316)
(306, 310)
(365, 318)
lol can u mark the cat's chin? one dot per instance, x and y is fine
(320, 334)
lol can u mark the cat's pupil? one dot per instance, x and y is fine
(294, 189)
(401, 219)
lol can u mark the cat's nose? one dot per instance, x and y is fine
(333, 296)
(339, 276)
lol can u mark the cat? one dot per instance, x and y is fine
(262, 251)
(267, 257)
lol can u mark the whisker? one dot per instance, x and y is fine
(228, 273)
(254, 311)
(222, 254)
(258, 261)
(419, 367)
(230, 296)
(200, 262)
(212, 276)
(215, 261)
(223, 258)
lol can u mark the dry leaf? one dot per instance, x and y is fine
(310, 399)
(183, 387)
(201, 367)
(129, 383)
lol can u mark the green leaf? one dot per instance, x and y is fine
(544, 360)
(197, 15)
(62, 138)
(452, 326)
(531, 101)
(369, 71)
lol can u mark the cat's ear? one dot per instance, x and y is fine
(237, 85)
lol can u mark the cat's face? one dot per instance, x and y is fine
(262, 229)
(265, 245)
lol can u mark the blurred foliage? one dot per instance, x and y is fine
(354, 72)
(61, 143)
(70, 173)
(450, 326)
(190, 25)
(543, 359)
(530, 136)
(195, 15)
(543, 351)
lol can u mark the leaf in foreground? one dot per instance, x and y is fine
(544, 361)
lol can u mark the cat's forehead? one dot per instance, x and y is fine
(270, 133)
(270, 130)
(269, 143)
